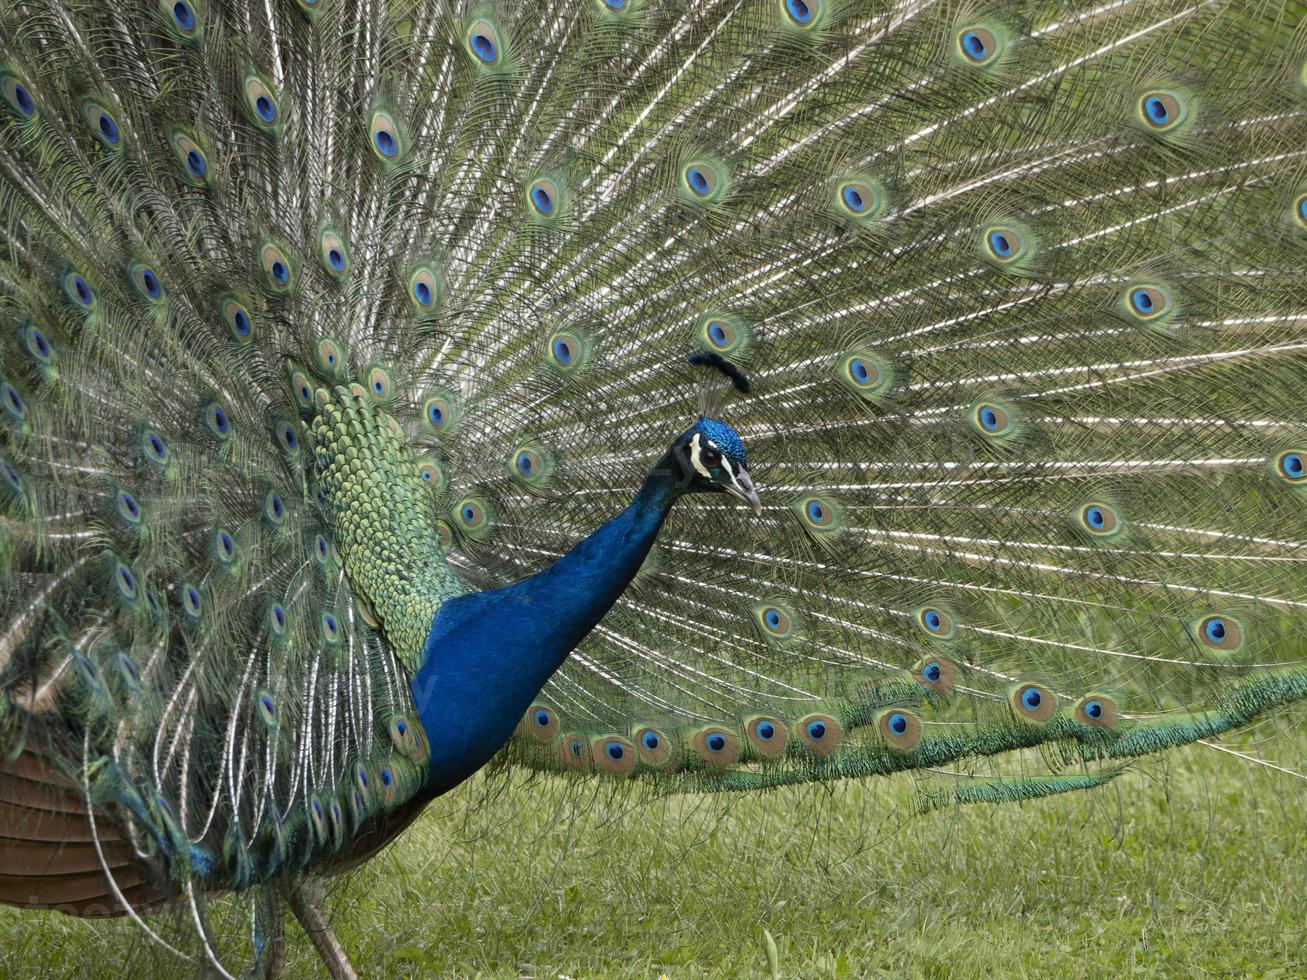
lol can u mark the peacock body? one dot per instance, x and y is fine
(348, 409)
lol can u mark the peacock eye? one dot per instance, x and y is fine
(711, 458)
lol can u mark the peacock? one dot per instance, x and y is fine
(377, 379)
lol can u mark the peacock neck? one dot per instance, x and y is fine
(488, 654)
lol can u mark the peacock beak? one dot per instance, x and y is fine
(742, 486)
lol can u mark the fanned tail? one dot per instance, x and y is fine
(1017, 292)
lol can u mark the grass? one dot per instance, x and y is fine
(1192, 866)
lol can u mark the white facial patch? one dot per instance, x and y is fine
(694, 458)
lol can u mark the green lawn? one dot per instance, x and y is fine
(1191, 866)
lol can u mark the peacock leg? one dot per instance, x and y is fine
(305, 900)
(269, 936)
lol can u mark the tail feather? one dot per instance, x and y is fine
(79, 894)
(55, 856)
(36, 857)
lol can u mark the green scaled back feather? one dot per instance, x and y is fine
(1018, 287)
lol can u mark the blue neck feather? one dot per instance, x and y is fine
(489, 653)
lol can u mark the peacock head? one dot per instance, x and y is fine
(712, 460)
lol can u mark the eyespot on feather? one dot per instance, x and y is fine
(102, 123)
(444, 537)
(329, 627)
(574, 750)
(1098, 519)
(1097, 710)
(262, 103)
(994, 420)
(724, 334)
(1032, 702)
(322, 551)
(236, 318)
(408, 737)
(128, 672)
(12, 403)
(858, 199)
(216, 420)
(1153, 305)
(125, 582)
(11, 481)
(818, 514)
(365, 612)
(279, 271)
(531, 465)
(899, 728)
(440, 412)
(302, 388)
(867, 375)
(1145, 302)
(1220, 633)
(936, 622)
(541, 722)
(567, 351)
(1290, 466)
(699, 179)
(979, 45)
(483, 42)
(127, 507)
(822, 733)
(1162, 111)
(330, 357)
(385, 137)
(358, 804)
(184, 18)
(472, 516)
(614, 755)
(775, 620)
(274, 509)
(703, 181)
(654, 746)
(77, 290)
(224, 547)
(424, 289)
(191, 601)
(278, 621)
(335, 823)
(768, 736)
(38, 345)
(380, 387)
(286, 432)
(146, 282)
(935, 673)
(717, 747)
(17, 92)
(363, 782)
(1009, 247)
(334, 253)
(192, 159)
(433, 474)
(265, 707)
(545, 199)
(802, 15)
(153, 447)
(318, 819)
